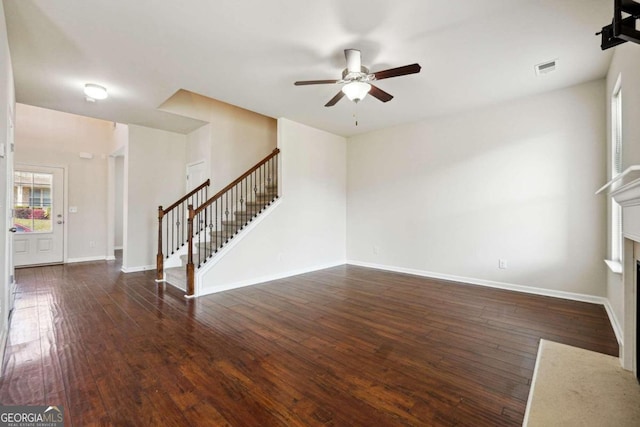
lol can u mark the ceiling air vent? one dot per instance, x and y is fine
(546, 67)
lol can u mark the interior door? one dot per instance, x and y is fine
(6, 266)
(196, 175)
(8, 219)
(38, 210)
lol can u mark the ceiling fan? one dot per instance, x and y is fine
(357, 79)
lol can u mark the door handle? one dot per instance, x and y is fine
(60, 221)
(13, 229)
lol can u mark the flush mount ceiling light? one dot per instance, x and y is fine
(95, 91)
(356, 91)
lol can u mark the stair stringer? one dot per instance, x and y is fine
(201, 272)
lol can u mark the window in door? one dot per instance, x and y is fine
(32, 202)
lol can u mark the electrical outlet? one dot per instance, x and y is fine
(502, 264)
(376, 249)
(92, 244)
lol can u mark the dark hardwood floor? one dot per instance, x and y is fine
(344, 346)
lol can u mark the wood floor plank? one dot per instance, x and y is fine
(342, 346)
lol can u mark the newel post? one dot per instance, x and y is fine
(190, 266)
(160, 256)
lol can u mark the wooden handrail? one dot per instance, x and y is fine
(161, 213)
(189, 194)
(204, 205)
(195, 212)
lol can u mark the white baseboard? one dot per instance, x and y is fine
(533, 384)
(110, 258)
(617, 329)
(138, 268)
(268, 278)
(85, 259)
(489, 283)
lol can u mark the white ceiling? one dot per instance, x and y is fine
(249, 53)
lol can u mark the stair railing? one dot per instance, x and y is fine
(172, 224)
(228, 211)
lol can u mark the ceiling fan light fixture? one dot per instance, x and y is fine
(95, 91)
(356, 91)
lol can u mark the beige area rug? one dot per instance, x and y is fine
(576, 387)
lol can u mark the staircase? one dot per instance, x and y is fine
(211, 223)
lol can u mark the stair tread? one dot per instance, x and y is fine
(176, 276)
(260, 202)
(220, 236)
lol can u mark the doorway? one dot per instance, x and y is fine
(38, 207)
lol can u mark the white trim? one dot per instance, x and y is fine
(138, 268)
(65, 202)
(614, 266)
(617, 329)
(117, 248)
(229, 246)
(110, 258)
(65, 216)
(268, 278)
(631, 236)
(3, 340)
(533, 384)
(86, 259)
(627, 194)
(111, 211)
(489, 283)
(632, 168)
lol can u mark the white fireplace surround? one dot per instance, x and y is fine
(625, 190)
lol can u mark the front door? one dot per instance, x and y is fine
(38, 215)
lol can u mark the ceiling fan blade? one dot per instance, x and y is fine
(335, 99)
(380, 94)
(354, 63)
(400, 71)
(315, 82)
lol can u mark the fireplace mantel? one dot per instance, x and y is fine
(625, 188)
(627, 194)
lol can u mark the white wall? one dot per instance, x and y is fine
(199, 149)
(53, 138)
(154, 175)
(625, 63)
(307, 229)
(515, 181)
(233, 141)
(118, 201)
(7, 104)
